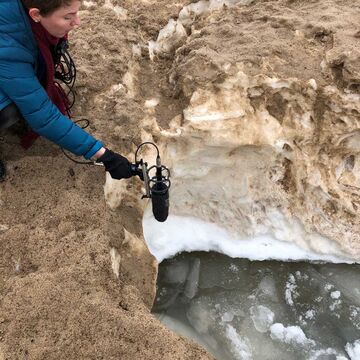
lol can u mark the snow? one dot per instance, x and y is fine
(335, 294)
(353, 350)
(335, 305)
(290, 290)
(234, 268)
(326, 354)
(310, 314)
(240, 345)
(290, 335)
(328, 287)
(185, 233)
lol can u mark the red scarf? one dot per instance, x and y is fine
(46, 42)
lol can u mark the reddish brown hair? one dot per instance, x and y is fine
(46, 7)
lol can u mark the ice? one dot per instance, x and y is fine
(353, 350)
(225, 321)
(310, 314)
(325, 354)
(262, 318)
(227, 317)
(177, 273)
(192, 282)
(290, 291)
(224, 276)
(233, 268)
(292, 335)
(345, 278)
(181, 328)
(243, 309)
(241, 347)
(174, 280)
(268, 289)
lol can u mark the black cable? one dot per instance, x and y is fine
(141, 145)
(65, 72)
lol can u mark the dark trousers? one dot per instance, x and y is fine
(9, 116)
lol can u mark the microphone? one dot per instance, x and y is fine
(160, 194)
(157, 187)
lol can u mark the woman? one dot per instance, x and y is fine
(31, 32)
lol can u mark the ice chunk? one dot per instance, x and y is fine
(176, 273)
(262, 318)
(353, 350)
(241, 347)
(268, 289)
(227, 316)
(192, 282)
(180, 328)
(290, 290)
(326, 354)
(200, 317)
(310, 314)
(292, 335)
(335, 294)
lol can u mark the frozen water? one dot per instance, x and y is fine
(192, 281)
(241, 347)
(262, 318)
(263, 310)
(292, 335)
(353, 350)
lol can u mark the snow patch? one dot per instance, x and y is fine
(335, 294)
(290, 290)
(241, 348)
(353, 350)
(165, 240)
(292, 335)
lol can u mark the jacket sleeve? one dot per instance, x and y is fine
(19, 82)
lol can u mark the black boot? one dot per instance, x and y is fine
(2, 171)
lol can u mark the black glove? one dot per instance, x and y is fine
(118, 166)
(136, 171)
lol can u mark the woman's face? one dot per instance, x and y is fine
(61, 21)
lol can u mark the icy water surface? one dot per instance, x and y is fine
(262, 310)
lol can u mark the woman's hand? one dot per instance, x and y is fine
(117, 165)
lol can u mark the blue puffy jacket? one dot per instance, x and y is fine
(19, 84)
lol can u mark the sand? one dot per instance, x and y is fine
(77, 280)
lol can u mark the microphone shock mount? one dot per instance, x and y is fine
(156, 181)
